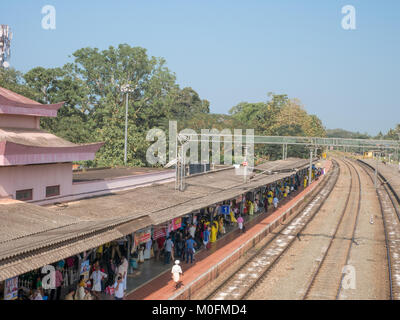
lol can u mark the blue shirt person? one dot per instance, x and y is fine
(189, 249)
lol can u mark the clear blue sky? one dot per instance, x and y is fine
(233, 51)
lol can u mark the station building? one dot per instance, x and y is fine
(83, 223)
(35, 164)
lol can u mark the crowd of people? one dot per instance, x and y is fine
(107, 275)
(109, 263)
(209, 224)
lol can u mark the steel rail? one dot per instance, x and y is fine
(333, 176)
(316, 273)
(353, 233)
(388, 252)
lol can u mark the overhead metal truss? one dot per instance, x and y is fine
(307, 141)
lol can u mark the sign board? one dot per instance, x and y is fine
(159, 232)
(176, 223)
(143, 236)
(11, 289)
(225, 209)
(85, 268)
(244, 163)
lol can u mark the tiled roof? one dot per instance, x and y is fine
(32, 236)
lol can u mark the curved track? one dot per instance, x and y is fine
(327, 278)
(389, 204)
(324, 279)
(238, 285)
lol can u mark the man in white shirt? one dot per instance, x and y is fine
(192, 230)
(119, 288)
(97, 276)
(123, 270)
(276, 201)
(176, 272)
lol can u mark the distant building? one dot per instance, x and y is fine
(368, 155)
(35, 164)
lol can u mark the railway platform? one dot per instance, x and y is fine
(390, 172)
(210, 263)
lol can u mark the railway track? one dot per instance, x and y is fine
(323, 282)
(327, 280)
(389, 204)
(238, 285)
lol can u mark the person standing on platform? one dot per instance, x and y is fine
(168, 246)
(147, 250)
(176, 274)
(251, 208)
(80, 290)
(190, 243)
(97, 276)
(270, 197)
(59, 282)
(206, 237)
(156, 250)
(123, 270)
(119, 288)
(221, 225)
(276, 201)
(192, 230)
(214, 231)
(240, 221)
(141, 254)
(232, 216)
(161, 242)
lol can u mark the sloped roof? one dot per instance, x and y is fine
(32, 236)
(22, 146)
(33, 138)
(14, 103)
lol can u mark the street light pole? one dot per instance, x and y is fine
(125, 88)
(310, 168)
(126, 128)
(376, 169)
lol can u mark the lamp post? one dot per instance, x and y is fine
(126, 88)
(377, 156)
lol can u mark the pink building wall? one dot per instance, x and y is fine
(101, 187)
(36, 177)
(18, 121)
